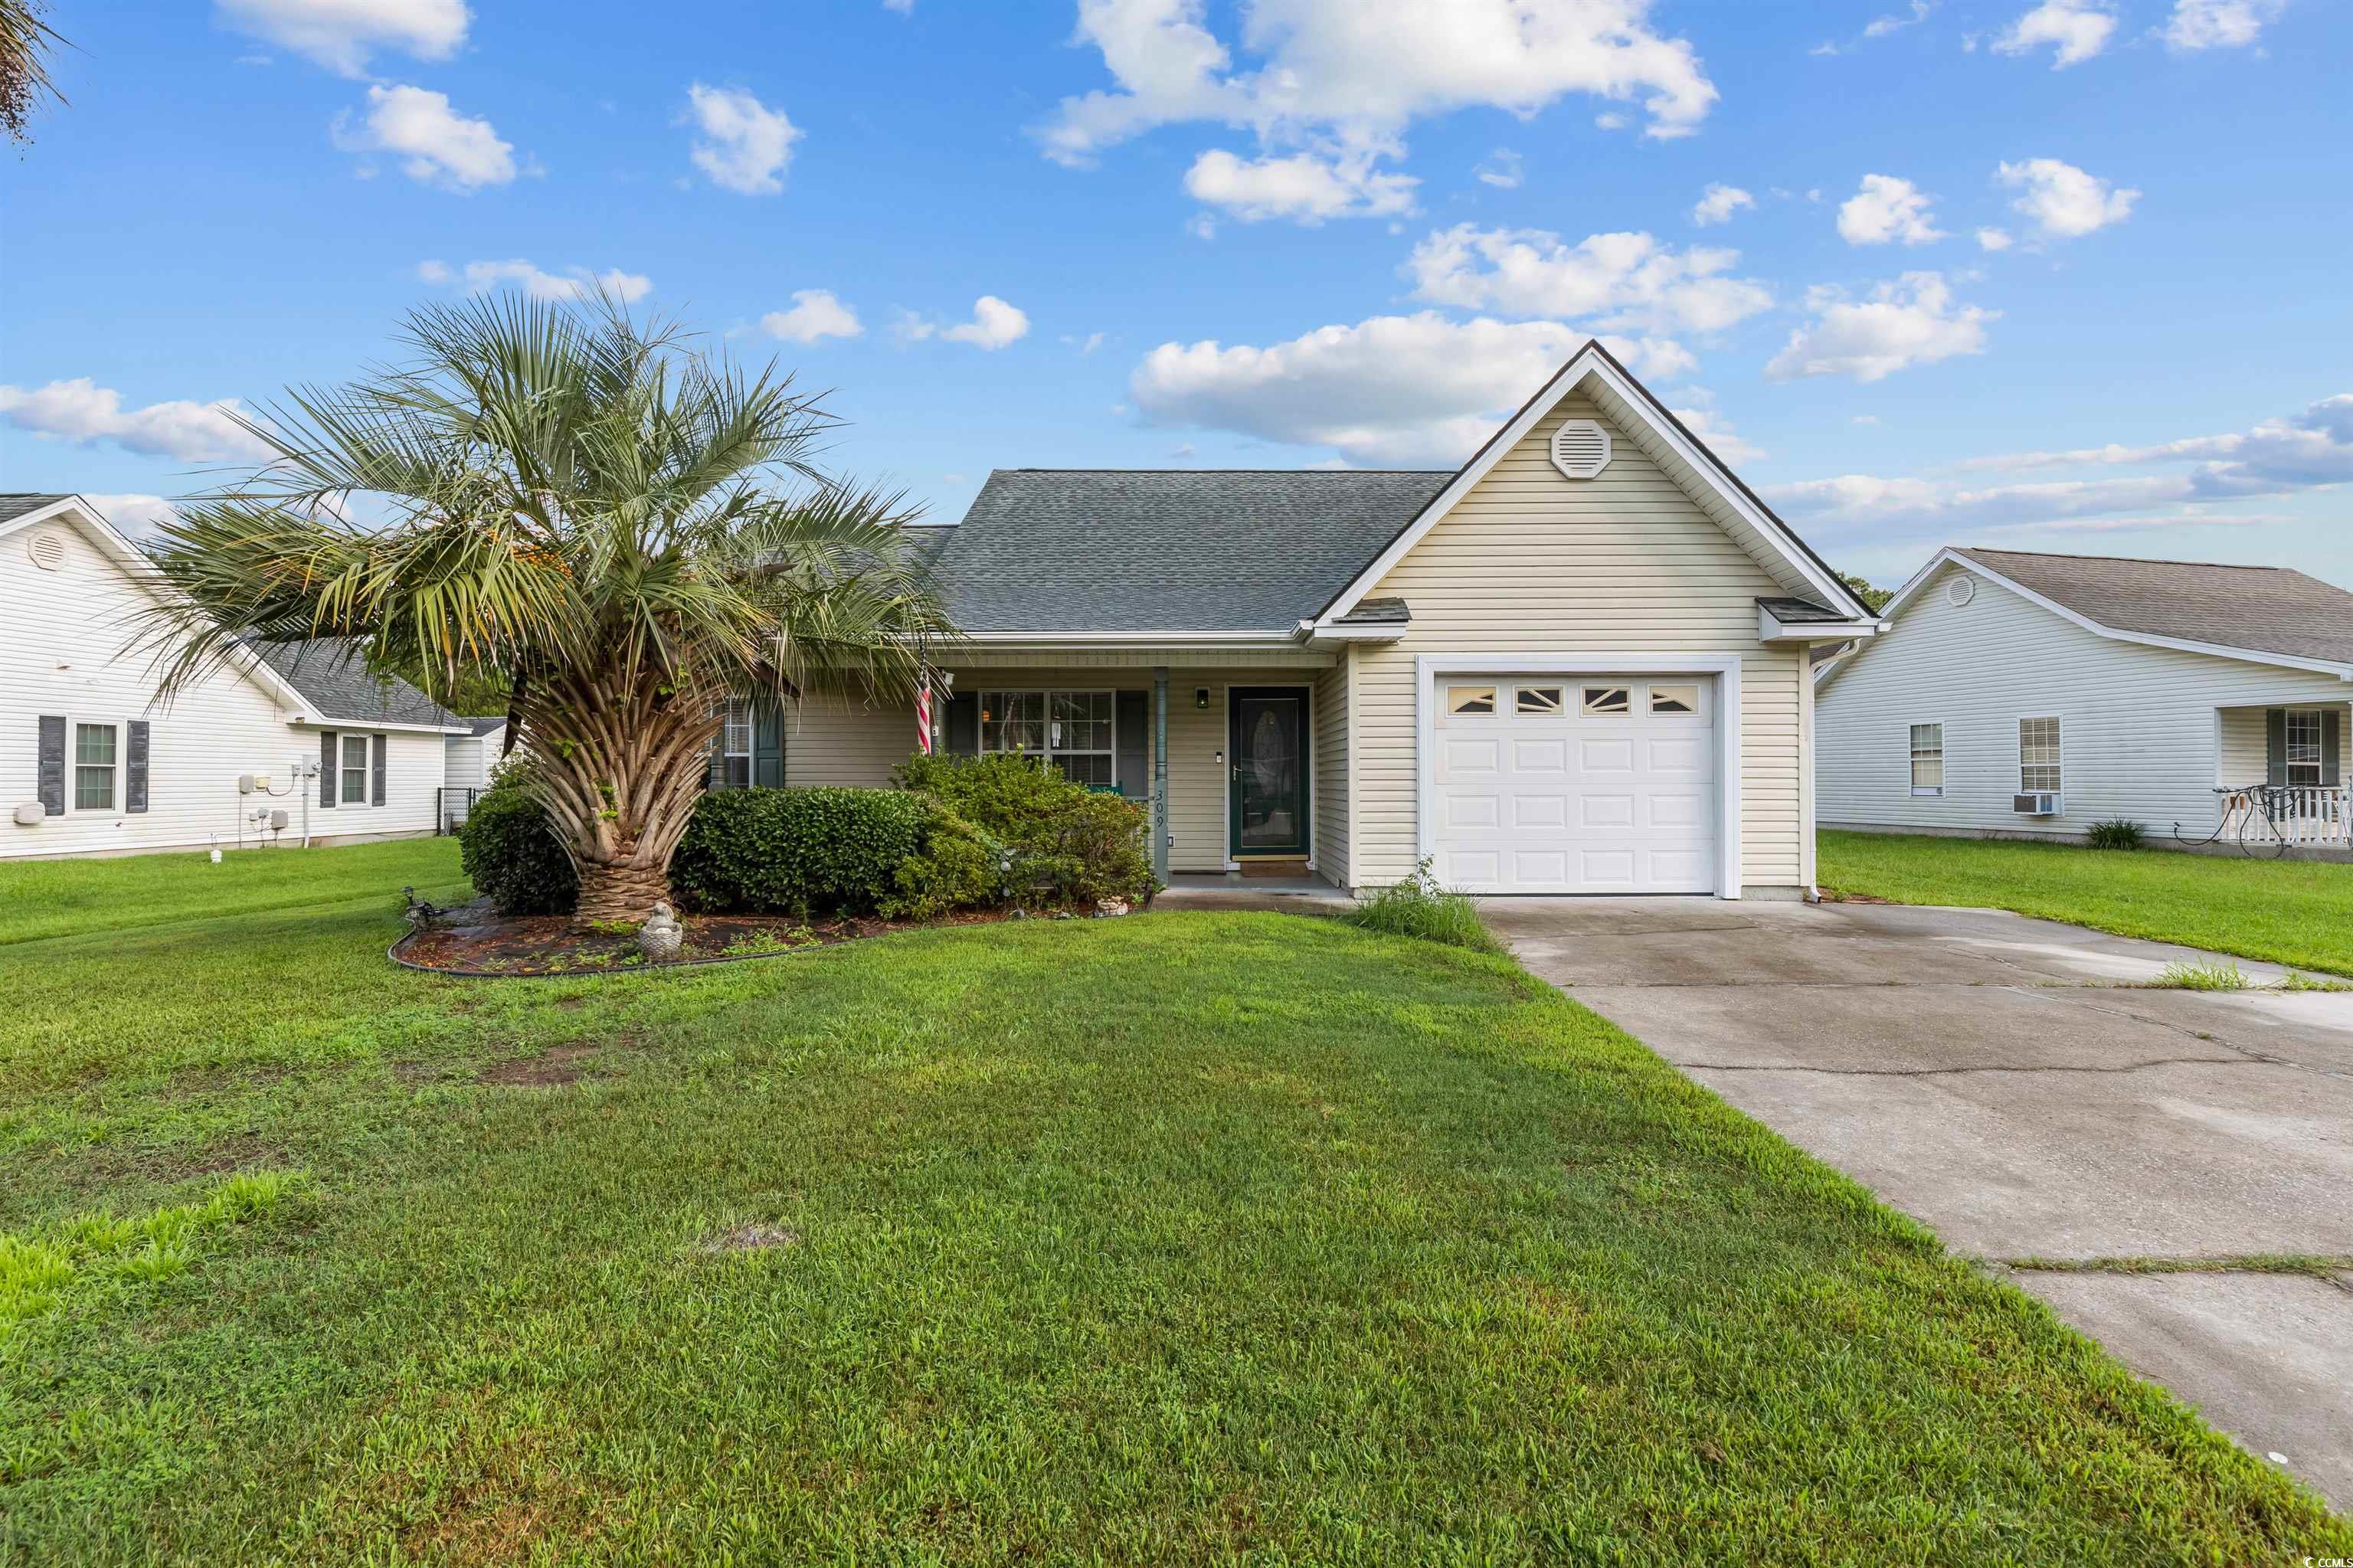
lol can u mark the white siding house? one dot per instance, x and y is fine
(89, 764)
(2003, 673)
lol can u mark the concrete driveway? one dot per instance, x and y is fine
(2000, 1079)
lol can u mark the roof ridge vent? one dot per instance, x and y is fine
(1580, 448)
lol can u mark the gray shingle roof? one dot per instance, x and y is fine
(1378, 612)
(16, 504)
(2266, 609)
(484, 724)
(329, 673)
(1799, 611)
(1170, 550)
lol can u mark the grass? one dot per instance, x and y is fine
(1185, 1237)
(2298, 913)
(1421, 907)
(2178, 976)
(2325, 1265)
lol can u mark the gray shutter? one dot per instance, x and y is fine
(767, 744)
(2332, 739)
(135, 766)
(964, 725)
(1133, 761)
(52, 766)
(327, 790)
(2276, 745)
(377, 747)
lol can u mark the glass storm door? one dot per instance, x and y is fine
(1267, 782)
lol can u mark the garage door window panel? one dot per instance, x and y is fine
(1609, 702)
(1536, 701)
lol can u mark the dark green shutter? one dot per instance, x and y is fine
(375, 770)
(52, 764)
(2332, 737)
(135, 766)
(2276, 746)
(1132, 759)
(767, 742)
(327, 790)
(964, 725)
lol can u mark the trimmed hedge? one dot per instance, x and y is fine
(512, 857)
(794, 851)
(1069, 844)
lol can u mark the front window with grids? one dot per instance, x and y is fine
(2304, 738)
(1927, 759)
(736, 745)
(356, 770)
(1071, 731)
(2038, 755)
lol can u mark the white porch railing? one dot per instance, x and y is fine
(2312, 815)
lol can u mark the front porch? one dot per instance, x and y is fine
(2281, 776)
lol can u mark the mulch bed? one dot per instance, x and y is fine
(475, 941)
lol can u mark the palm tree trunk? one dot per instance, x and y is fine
(621, 767)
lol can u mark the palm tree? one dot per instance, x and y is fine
(25, 43)
(570, 507)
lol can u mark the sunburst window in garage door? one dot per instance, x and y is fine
(1536, 701)
(1601, 700)
(1674, 699)
(1471, 701)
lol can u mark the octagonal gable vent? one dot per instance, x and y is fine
(1962, 589)
(1580, 448)
(47, 549)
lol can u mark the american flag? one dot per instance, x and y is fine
(924, 716)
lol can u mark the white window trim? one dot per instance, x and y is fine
(1431, 668)
(1942, 753)
(2319, 763)
(1050, 751)
(121, 766)
(343, 738)
(751, 743)
(2018, 738)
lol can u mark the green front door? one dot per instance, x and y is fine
(1266, 788)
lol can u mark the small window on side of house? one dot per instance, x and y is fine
(2038, 755)
(1536, 701)
(356, 770)
(95, 756)
(1927, 759)
(1471, 701)
(1674, 699)
(1607, 700)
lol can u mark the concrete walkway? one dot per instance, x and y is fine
(1998, 1078)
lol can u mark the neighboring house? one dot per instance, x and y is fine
(2012, 693)
(1576, 665)
(91, 765)
(468, 760)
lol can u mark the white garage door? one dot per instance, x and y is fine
(1583, 784)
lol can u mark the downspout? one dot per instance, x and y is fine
(1160, 773)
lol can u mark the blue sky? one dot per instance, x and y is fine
(2066, 275)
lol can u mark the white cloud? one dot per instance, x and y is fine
(572, 283)
(1881, 25)
(994, 324)
(1721, 438)
(2064, 201)
(745, 145)
(1718, 202)
(2076, 30)
(815, 316)
(1627, 281)
(1303, 186)
(1503, 170)
(1863, 420)
(85, 413)
(2218, 24)
(1414, 389)
(135, 514)
(341, 33)
(1087, 344)
(2277, 457)
(1345, 78)
(1885, 209)
(1994, 240)
(434, 142)
(1911, 321)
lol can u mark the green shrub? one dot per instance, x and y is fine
(792, 851)
(2116, 833)
(1069, 845)
(1419, 906)
(512, 857)
(959, 867)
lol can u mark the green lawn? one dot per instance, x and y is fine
(2298, 913)
(1180, 1238)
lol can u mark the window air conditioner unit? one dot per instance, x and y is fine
(2036, 803)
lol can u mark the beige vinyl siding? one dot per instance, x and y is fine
(1330, 804)
(855, 744)
(1531, 562)
(2144, 733)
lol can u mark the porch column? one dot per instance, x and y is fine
(1160, 772)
